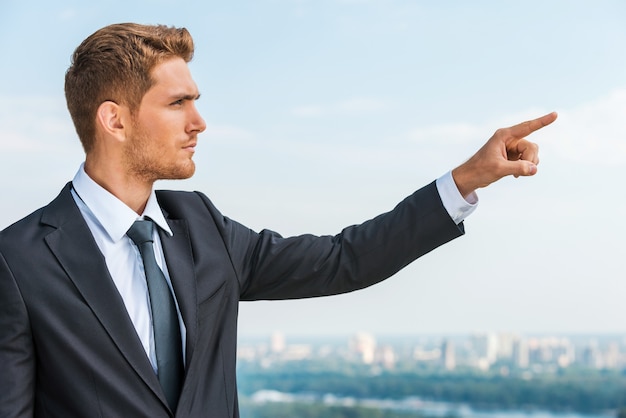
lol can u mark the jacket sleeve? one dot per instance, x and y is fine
(272, 267)
(17, 356)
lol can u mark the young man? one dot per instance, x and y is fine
(98, 320)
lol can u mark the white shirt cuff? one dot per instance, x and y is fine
(458, 207)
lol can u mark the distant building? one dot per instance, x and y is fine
(504, 347)
(296, 352)
(364, 346)
(612, 356)
(564, 353)
(520, 355)
(387, 357)
(277, 342)
(246, 353)
(448, 357)
(485, 351)
(485, 346)
(591, 356)
(421, 354)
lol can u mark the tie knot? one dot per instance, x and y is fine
(141, 232)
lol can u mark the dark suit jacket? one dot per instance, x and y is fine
(69, 349)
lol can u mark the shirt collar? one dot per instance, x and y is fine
(113, 214)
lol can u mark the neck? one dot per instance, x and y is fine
(129, 189)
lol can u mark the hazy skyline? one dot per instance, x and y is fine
(324, 113)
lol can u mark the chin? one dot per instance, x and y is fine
(183, 173)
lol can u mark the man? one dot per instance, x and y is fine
(84, 297)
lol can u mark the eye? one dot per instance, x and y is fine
(178, 102)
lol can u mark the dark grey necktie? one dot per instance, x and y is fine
(167, 342)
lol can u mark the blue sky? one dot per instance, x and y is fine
(324, 113)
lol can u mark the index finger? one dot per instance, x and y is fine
(526, 128)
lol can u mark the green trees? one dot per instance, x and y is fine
(583, 393)
(302, 410)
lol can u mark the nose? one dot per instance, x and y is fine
(196, 122)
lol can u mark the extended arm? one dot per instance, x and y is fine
(272, 267)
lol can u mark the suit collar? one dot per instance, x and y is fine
(113, 215)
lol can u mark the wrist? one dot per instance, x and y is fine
(463, 180)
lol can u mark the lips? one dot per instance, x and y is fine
(190, 147)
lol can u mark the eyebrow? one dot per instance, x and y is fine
(186, 96)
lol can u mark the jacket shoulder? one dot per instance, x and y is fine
(17, 229)
(184, 204)
(40, 222)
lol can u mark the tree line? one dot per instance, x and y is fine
(584, 393)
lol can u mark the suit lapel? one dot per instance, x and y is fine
(179, 258)
(77, 252)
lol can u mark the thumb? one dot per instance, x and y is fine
(521, 168)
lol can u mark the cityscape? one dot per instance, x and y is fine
(478, 375)
(483, 351)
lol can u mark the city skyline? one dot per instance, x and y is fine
(505, 352)
(322, 114)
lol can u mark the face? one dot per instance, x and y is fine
(162, 139)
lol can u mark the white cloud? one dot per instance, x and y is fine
(463, 133)
(594, 132)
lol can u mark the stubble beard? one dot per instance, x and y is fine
(148, 164)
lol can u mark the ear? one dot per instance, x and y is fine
(112, 120)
